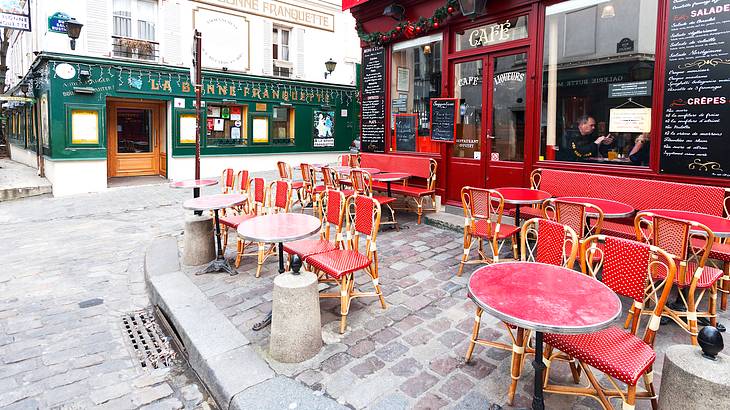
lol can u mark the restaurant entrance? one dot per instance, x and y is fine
(136, 138)
(490, 139)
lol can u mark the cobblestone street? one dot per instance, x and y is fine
(59, 256)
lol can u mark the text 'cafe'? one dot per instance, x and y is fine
(634, 88)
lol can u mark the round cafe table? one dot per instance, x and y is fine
(216, 203)
(344, 169)
(278, 228)
(193, 183)
(610, 208)
(543, 298)
(522, 196)
(390, 177)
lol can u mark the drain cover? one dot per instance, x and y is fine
(146, 338)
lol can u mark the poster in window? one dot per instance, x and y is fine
(403, 79)
(210, 123)
(260, 130)
(235, 113)
(629, 120)
(44, 119)
(324, 129)
(214, 112)
(84, 127)
(226, 112)
(219, 124)
(235, 133)
(187, 129)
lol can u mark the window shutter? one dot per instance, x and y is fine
(299, 38)
(172, 45)
(268, 59)
(98, 23)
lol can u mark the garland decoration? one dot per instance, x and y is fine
(409, 29)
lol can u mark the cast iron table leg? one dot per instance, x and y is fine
(517, 215)
(538, 402)
(196, 193)
(267, 320)
(389, 193)
(220, 264)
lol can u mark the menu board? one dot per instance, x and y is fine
(696, 138)
(443, 119)
(373, 100)
(406, 128)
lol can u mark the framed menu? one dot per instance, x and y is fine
(406, 129)
(696, 111)
(444, 112)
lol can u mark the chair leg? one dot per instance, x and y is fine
(344, 302)
(712, 305)
(725, 285)
(465, 256)
(515, 251)
(518, 350)
(649, 384)
(419, 205)
(373, 271)
(474, 335)
(239, 252)
(630, 397)
(260, 259)
(629, 318)
(692, 314)
(224, 232)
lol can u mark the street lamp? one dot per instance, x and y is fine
(24, 88)
(330, 66)
(472, 8)
(73, 30)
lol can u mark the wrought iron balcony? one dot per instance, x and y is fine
(126, 47)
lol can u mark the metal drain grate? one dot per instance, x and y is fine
(147, 339)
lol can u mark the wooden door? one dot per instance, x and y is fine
(135, 133)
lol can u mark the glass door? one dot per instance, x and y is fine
(134, 132)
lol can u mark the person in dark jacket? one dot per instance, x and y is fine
(583, 143)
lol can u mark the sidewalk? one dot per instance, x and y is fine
(19, 181)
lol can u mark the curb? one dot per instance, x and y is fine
(10, 194)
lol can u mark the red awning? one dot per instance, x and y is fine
(348, 4)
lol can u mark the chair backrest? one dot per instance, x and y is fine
(242, 182)
(285, 171)
(361, 182)
(329, 178)
(279, 196)
(363, 218)
(574, 215)
(546, 241)
(333, 213)
(688, 242)
(227, 180)
(480, 203)
(431, 180)
(308, 176)
(257, 195)
(627, 268)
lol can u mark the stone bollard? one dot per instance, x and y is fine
(198, 243)
(690, 381)
(296, 327)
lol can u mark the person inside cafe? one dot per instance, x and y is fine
(583, 143)
(639, 153)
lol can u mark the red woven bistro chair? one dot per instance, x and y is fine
(332, 217)
(690, 244)
(574, 215)
(349, 160)
(227, 179)
(278, 201)
(311, 191)
(541, 241)
(719, 258)
(363, 218)
(287, 174)
(255, 205)
(483, 221)
(362, 184)
(240, 186)
(626, 267)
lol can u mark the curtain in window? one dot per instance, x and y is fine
(123, 18)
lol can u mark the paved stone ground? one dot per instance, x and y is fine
(410, 355)
(58, 252)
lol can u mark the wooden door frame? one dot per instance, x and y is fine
(159, 119)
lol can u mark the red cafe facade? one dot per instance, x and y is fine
(531, 77)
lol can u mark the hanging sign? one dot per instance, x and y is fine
(406, 130)
(15, 14)
(324, 129)
(630, 120)
(443, 119)
(632, 89)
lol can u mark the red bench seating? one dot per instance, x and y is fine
(421, 169)
(639, 193)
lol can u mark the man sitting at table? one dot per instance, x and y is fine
(583, 143)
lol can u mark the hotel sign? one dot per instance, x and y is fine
(279, 11)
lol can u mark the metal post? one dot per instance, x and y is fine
(198, 86)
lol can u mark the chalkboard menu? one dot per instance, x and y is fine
(373, 100)
(406, 128)
(696, 139)
(443, 119)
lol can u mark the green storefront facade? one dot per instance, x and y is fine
(242, 116)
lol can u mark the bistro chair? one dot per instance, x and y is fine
(240, 186)
(349, 160)
(340, 265)
(310, 191)
(719, 258)
(483, 221)
(332, 217)
(626, 267)
(278, 201)
(541, 241)
(227, 179)
(574, 215)
(690, 243)
(256, 205)
(287, 174)
(362, 184)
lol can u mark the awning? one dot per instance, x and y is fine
(348, 4)
(14, 98)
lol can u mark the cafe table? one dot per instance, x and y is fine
(216, 203)
(278, 228)
(522, 196)
(611, 209)
(390, 177)
(344, 169)
(543, 298)
(193, 183)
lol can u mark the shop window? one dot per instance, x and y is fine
(597, 81)
(280, 50)
(260, 129)
(85, 126)
(415, 79)
(186, 130)
(282, 131)
(134, 29)
(468, 77)
(226, 125)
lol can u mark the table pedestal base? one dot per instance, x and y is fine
(219, 265)
(538, 401)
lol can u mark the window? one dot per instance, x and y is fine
(226, 125)
(597, 81)
(415, 79)
(280, 52)
(283, 125)
(134, 24)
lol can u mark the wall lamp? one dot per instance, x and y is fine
(472, 8)
(396, 11)
(330, 66)
(73, 30)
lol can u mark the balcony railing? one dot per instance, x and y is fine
(133, 48)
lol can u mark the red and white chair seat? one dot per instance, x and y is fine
(719, 251)
(232, 221)
(709, 276)
(613, 351)
(308, 247)
(383, 200)
(295, 185)
(338, 262)
(485, 229)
